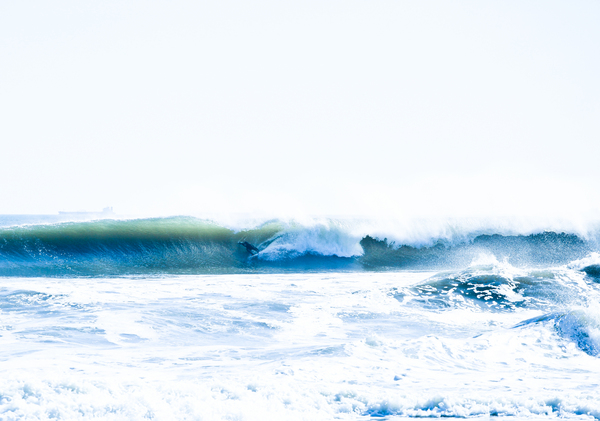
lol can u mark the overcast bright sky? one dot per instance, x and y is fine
(343, 107)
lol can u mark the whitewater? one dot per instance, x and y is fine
(331, 318)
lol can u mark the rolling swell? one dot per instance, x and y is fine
(496, 287)
(112, 247)
(182, 245)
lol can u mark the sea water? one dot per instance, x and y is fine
(113, 320)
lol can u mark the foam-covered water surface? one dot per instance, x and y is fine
(489, 339)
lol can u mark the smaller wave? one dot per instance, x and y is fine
(583, 328)
(490, 285)
(580, 326)
(485, 287)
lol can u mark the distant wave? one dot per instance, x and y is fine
(192, 245)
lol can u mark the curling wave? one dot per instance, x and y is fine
(192, 245)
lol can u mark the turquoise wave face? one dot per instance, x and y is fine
(111, 247)
(180, 245)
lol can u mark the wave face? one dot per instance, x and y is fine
(187, 245)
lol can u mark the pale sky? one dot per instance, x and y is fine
(323, 107)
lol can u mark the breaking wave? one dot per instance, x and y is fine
(192, 245)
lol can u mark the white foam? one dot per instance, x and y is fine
(592, 259)
(323, 237)
(321, 233)
(257, 347)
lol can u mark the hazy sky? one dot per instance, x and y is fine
(324, 107)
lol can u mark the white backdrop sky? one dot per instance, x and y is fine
(345, 107)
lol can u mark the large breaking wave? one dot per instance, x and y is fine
(192, 245)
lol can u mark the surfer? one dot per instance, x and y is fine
(249, 247)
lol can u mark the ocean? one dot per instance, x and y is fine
(331, 318)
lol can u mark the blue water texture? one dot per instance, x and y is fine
(47, 246)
